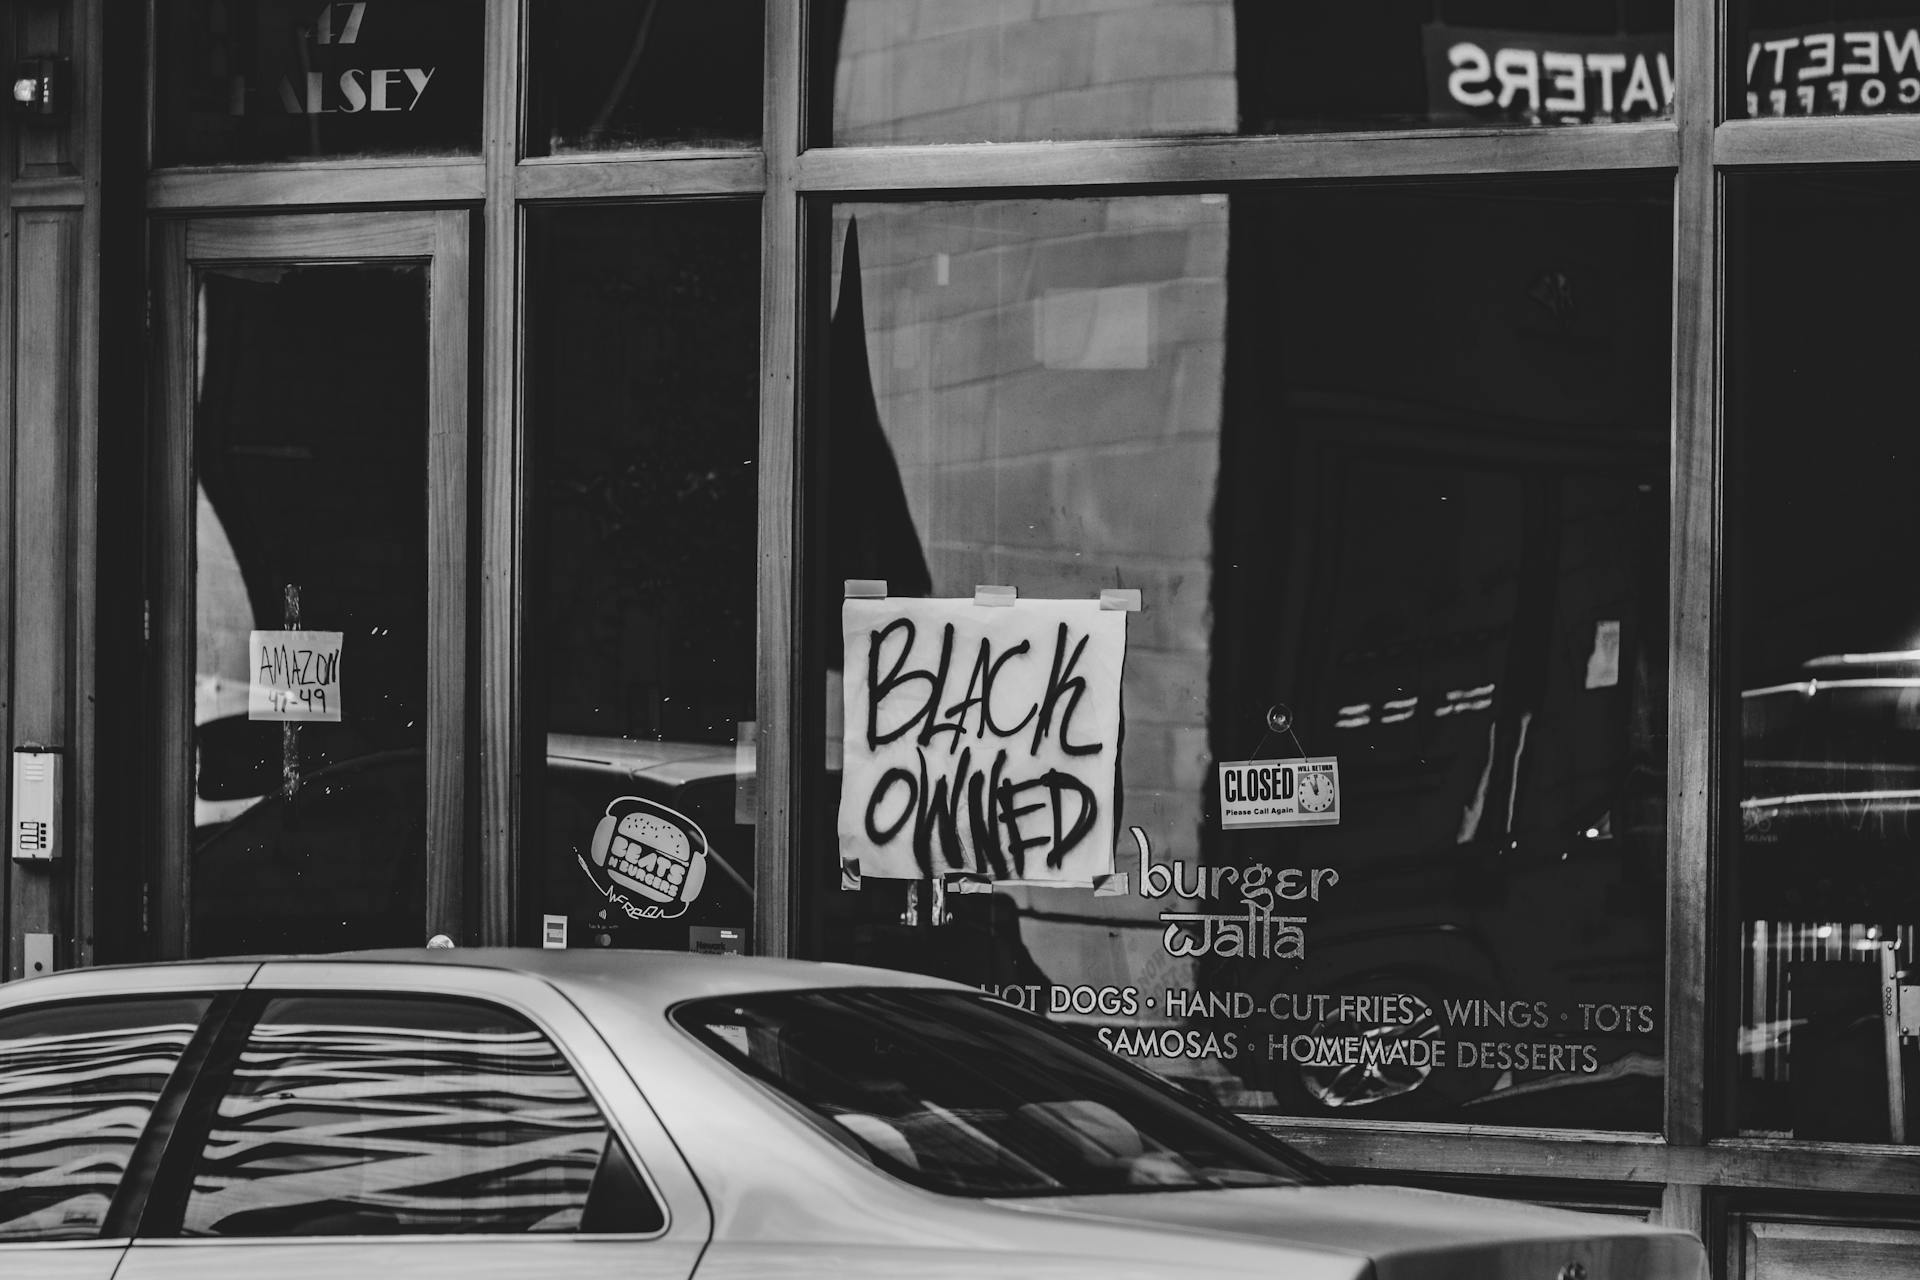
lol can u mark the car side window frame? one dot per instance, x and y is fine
(137, 1176)
(163, 1214)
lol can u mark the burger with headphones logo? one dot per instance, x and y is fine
(648, 859)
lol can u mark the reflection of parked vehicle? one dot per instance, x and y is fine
(339, 863)
(1501, 947)
(1830, 896)
(593, 1115)
(1829, 887)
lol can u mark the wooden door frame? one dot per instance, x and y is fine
(439, 238)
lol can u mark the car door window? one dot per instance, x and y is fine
(77, 1085)
(373, 1115)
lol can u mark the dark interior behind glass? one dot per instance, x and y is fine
(255, 81)
(642, 449)
(1826, 636)
(612, 75)
(310, 454)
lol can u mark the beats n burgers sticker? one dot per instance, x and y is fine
(647, 859)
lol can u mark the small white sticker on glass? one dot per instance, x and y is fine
(1603, 664)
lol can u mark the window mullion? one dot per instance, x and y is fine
(500, 543)
(778, 681)
(1693, 683)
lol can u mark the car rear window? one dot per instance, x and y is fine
(77, 1085)
(361, 1114)
(967, 1096)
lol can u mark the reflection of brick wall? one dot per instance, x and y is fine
(1049, 375)
(956, 70)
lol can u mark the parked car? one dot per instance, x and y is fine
(597, 1113)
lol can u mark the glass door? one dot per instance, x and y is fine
(309, 574)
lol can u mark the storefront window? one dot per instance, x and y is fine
(1800, 58)
(1357, 807)
(247, 81)
(891, 71)
(611, 75)
(1827, 657)
(310, 609)
(642, 440)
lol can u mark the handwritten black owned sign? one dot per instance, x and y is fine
(982, 739)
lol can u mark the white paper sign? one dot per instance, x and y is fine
(1280, 793)
(981, 739)
(1603, 664)
(296, 675)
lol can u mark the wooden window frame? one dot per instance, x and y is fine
(1689, 1165)
(437, 239)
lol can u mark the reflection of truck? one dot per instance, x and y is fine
(339, 863)
(1537, 966)
(1470, 616)
(1829, 893)
(1827, 881)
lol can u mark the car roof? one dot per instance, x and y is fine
(641, 979)
(669, 976)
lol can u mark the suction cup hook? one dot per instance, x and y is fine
(1279, 717)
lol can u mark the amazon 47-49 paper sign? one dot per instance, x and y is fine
(296, 675)
(981, 738)
(1280, 793)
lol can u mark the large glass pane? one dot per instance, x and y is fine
(1017, 70)
(310, 608)
(643, 436)
(612, 75)
(1822, 860)
(1388, 470)
(1825, 57)
(246, 81)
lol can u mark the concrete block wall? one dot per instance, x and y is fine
(1031, 70)
(1050, 373)
(1049, 376)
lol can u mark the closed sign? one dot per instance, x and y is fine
(1280, 793)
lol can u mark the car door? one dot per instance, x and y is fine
(415, 1121)
(86, 1062)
